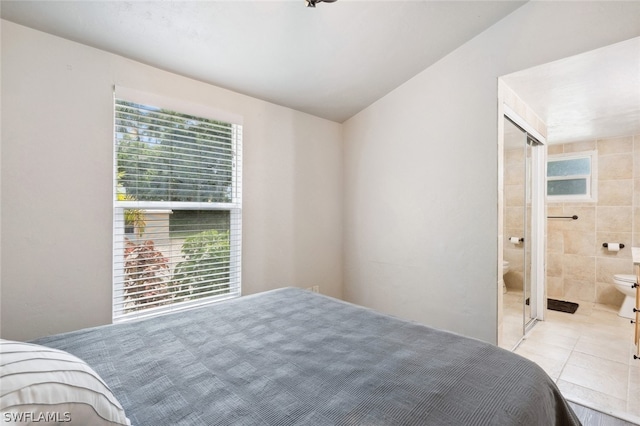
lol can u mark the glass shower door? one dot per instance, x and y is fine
(518, 284)
(521, 301)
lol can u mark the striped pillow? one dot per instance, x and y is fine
(41, 385)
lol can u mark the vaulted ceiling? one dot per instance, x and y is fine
(331, 61)
(336, 59)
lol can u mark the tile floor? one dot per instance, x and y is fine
(589, 354)
(512, 318)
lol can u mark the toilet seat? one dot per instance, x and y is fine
(627, 278)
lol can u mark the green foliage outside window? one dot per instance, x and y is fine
(209, 251)
(167, 156)
(149, 278)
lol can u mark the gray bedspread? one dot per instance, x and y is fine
(292, 357)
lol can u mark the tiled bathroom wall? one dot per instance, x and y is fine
(514, 211)
(578, 266)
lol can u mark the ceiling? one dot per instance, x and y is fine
(331, 61)
(593, 95)
(334, 60)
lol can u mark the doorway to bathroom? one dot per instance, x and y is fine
(586, 106)
(523, 162)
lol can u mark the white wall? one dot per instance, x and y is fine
(57, 141)
(420, 177)
(421, 170)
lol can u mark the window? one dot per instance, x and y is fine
(177, 210)
(572, 177)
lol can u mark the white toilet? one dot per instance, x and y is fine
(505, 269)
(623, 283)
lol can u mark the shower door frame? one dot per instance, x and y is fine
(538, 216)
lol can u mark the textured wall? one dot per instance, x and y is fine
(421, 169)
(57, 177)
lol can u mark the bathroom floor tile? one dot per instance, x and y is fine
(551, 358)
(606, 318)
(616, 349)
(593, 398)
(621, 331)
(552, 367)
(599, 371)
(598, 374)
(633, 398)
(605, 308)
(634, 386)
(585, 309)
(510, 338)
(568, 320)
(552, 337)
(633, 408)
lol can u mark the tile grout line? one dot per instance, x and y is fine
(598, 324)
(629, 375)
(570, 353)
(627, 401)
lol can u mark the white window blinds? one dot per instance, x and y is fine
(177, 210)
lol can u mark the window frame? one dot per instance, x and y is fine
(591, 194)
(234, 207)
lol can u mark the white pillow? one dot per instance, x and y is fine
(40, 385)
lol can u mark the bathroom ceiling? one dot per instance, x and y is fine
(593, 95)
(331, 61)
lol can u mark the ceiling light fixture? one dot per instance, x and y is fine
(312, 3)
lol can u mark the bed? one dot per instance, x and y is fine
(293, 357)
